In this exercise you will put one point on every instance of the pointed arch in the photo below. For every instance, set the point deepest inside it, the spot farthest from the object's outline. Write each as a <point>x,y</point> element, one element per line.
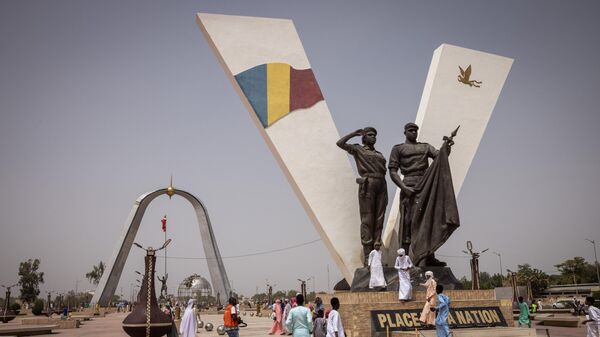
<point>114,268</point>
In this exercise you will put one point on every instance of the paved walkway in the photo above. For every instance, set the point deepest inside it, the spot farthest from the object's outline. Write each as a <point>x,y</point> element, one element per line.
<point>110,326</point>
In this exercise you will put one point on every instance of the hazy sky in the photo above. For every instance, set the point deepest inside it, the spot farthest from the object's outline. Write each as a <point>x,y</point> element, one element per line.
<point>100,101</point>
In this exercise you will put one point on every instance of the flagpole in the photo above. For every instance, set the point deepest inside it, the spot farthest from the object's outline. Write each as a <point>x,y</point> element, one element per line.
<point>165,249</point>
<point>164,228</point>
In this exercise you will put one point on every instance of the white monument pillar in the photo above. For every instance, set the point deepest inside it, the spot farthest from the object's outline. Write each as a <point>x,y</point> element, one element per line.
<point>448,102</point>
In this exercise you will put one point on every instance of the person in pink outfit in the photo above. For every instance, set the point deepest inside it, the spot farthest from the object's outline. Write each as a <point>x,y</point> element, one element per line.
<point>428,316</point>
<point>277,328</point>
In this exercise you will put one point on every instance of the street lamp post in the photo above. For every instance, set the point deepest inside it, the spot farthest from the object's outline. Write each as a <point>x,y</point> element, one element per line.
<point>270,292</point>
<point>303,287</point>
<point>593,242</point>
<point>500,258</point>
<point>513,280</point>
<point>49,300</point>
<point>314,289</point>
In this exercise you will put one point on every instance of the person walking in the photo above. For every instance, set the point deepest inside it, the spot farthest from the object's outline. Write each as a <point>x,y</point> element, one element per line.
<point>299,320</point>
<point>592,319</point>
<point>442,329</point>
<point>276,328</point>
<point>189,322</point>
<point>286,312</point>
<point>523,313</point>
<point>428,316</point>
<point>231,318</point>
<point>169,311</point>
<point>335,328</point>
<point>404,265</point>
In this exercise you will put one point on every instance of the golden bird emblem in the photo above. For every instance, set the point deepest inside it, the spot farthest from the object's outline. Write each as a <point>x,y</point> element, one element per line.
<point>465,77</point>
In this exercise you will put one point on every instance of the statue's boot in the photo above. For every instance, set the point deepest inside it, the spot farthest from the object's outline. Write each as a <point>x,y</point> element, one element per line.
<point>431,261</point>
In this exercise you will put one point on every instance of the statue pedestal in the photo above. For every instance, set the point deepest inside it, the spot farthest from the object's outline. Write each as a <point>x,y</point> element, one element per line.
<point>373,313</point>
<point>363,275</point>
<point>443,276</point>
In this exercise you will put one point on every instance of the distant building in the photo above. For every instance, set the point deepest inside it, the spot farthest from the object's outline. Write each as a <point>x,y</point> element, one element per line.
<point>571,290</point>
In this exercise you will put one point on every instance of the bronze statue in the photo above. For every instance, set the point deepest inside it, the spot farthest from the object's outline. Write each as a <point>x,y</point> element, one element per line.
<point>163,285</point>
<point>372,192</point>
<point>427,203</point>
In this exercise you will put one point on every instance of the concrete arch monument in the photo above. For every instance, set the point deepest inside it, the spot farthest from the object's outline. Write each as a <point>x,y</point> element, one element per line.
<point>112,274</point>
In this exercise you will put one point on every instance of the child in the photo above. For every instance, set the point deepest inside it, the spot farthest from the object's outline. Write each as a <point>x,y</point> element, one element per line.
<point>320,325</point>
<point>442,329</point>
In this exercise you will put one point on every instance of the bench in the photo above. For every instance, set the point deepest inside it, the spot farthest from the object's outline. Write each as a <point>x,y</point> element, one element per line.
<point>81,317</point>
<point>572,322</point>
<point>26,330</point>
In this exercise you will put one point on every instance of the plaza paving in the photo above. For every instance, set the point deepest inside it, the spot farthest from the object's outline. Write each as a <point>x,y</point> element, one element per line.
<point>257,326</point>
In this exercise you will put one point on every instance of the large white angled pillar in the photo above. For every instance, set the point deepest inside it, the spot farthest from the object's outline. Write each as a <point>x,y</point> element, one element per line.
<point>462,88</point>
<point>268,67</point>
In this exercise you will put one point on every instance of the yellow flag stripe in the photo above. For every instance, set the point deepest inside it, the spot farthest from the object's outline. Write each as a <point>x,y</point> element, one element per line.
<point>278,91</point>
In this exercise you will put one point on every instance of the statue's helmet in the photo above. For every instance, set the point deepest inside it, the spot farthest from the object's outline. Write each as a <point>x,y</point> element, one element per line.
<point>411,126</point>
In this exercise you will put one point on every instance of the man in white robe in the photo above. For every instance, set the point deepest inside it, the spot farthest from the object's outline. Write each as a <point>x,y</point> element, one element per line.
<point>377,279</point>
<point>189,323</point>
<point>403,265</point>
<point>592,318</point>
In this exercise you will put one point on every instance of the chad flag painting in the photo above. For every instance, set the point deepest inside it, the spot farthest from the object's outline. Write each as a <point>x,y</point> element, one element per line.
<point>276,89</point>
<point>268,67</point>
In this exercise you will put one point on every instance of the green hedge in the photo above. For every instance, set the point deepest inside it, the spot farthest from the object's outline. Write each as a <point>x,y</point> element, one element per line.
<point>38,306</point>
<point>15,306</point>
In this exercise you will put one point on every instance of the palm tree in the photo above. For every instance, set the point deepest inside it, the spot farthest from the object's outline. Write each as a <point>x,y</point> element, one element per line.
<point>96,273</point>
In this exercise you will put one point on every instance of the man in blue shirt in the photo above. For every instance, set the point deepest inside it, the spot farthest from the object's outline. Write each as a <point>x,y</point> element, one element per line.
<point>442,328</point>
<point>299,320</point>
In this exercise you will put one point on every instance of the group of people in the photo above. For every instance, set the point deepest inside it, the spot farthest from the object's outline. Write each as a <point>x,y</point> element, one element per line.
<point>292,317</point>
<point>592,314</point>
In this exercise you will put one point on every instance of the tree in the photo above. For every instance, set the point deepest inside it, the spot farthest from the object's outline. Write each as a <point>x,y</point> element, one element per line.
<point>96,274</point>
<point>539,280</point>
<point>487,281</point>
<point>466,283</point>
<point>278,294</point>
<point>259,298</point>
<point>577,270</point>
<point>30,280</point>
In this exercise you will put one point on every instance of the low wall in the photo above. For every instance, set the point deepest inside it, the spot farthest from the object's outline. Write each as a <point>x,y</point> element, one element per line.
<point>61,323</point>
<point>359,309</point>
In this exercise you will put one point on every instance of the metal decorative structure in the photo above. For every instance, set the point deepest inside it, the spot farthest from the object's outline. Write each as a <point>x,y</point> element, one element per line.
<point>6,314</point>
<point>474,264</point>
<point>146,319</point>
<point>110,279</point>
